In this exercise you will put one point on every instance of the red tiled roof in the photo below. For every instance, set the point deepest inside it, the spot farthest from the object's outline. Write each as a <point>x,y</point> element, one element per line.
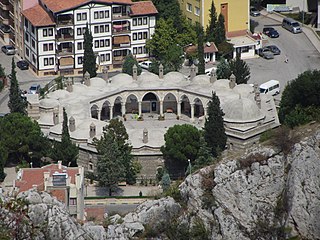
<point>143,8</point>
<point>38,16</point>
<point>60,194</point>
<point>210,49</point>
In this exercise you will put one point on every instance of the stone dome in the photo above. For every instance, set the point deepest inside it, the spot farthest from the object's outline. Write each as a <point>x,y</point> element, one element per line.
<point>201,79</point>
<point>121,79</point>
<point>97,82</point>
<point>242,110</point>
<point>245,90</point>
<point>221,83</point>
<point>174,77</point>
<point>149,80</point>
<point>49,103</point>
<point>59,94</point>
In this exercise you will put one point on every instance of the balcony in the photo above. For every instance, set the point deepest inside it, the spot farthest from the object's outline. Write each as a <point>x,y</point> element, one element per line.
<point>4,5</point>
<point>65,51</point>
<point>65,20</point>
<point>11,15</point>
<point>121,28</point>
<point>121,42</point>
<point>66,63</point>
<point>120,12</point>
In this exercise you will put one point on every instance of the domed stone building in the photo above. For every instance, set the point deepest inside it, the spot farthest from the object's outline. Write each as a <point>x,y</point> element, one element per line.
<point>149,104</point>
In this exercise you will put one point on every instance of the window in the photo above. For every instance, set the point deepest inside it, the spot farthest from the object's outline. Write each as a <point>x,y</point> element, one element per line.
<point>80,45</point>
<point>139,21</point>
<point>84,16</point>
<point>45,32</point>
<point>106,14</point>
<point>140,35</point>
<point>73,201</point>
<point>106,28</point>
<point>50,32</point>
<point>145,21</point>
<point>78,16</point>
<point>26,36</point>
<point>102,29</point>
<point>50,46</point>
<point>134,50</point>
<point>101,14</point>
<point>34,58</point>
<point>96,43</point>
<point>80,31</point>
<point>104,57</point>
<point>33,43</point>
<point>139,50</point>
<point>32,29</point>
<point>189,7</point>
<point>45,47</point>
<point>135,36</point>
<point>96,29</point>
<point>96,15</point>
<point>26,23</point>
<point>48,61</point>
<point>135,22</point>
<point>145,35</point>
<point>101,43</point>
<point>197,11</point>
<point>80,60</point>
<point>27,52</point>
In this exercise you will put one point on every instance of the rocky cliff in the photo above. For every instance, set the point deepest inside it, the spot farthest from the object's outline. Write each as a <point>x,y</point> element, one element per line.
<point>264,194</point>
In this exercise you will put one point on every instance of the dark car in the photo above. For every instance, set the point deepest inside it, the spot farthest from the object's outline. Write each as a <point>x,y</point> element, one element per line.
<point>270,32</point>
<point>5,28</point>
<point>266,53</point>
<point>274,49</point>
<point>23,65</point>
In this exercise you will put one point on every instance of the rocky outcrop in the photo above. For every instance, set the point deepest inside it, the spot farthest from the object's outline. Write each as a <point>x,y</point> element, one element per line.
<point>260,194</point>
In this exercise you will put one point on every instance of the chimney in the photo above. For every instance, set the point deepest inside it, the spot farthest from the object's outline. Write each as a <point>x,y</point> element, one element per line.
<point>145,136</point>
<point>69,85</point>
<point>213,76</point>
<point>192,71</point>
<point>55,116</point>
<point>135,72</point>
<point>105,73</point>
<point>258,100</point>
<point>86,79</point>
<point>59,164</point>
<point>92,132</point>
<point>161,71</point>
<point>256,91</point>
<point>72,124</point>
<point>232,82</point>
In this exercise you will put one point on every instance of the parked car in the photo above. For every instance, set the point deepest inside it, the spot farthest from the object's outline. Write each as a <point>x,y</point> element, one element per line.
<point>34,89</point>
<point>274,49</point>
<point>254,12</point>
<point>270,32</point>
<point>266,53</point>
<point>5,28</point>
<point>145,64</point>
<point>8,50</point>
<point>23,65</point>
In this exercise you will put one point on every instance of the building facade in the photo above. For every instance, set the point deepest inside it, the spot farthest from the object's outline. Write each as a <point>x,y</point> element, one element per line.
<point>54,33</point>
<point>64,183</point>
<point>235,12</point>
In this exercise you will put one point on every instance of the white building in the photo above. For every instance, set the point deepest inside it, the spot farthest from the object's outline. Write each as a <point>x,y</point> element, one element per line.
<point>54,33</point>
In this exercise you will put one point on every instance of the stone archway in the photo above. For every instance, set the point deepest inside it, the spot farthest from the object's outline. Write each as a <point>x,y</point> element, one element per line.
<point>150,103</point>
<point>198,108</point>
<point>185,106</point>
<point>94,111</point>
<point>132,105</point>
<point>105,111</point>
<point>170,103</point>
<point>117,110</point>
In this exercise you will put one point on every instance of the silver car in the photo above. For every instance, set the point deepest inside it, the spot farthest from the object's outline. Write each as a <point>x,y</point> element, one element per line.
<point>266,53</point>
<point>8,50</point>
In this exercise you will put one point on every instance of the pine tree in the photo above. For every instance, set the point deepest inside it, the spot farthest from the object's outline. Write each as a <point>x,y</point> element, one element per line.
<point>240,69</point>
<point>89,59</point>
<point>223,69</point>
<point>214,132</point>
<point>128,64</point>
<point>16,102</point>
<point>211,28</point>
<point>200,33</point>
<point>220,31</point>
<point>65,150</point>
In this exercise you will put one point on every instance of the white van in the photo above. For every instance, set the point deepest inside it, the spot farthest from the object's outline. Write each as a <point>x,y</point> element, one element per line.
<point>208,71</point>
<point>271,87</point>
<point>291,25</point>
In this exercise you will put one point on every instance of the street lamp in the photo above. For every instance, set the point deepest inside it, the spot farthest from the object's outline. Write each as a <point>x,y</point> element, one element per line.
<point>189,166</point>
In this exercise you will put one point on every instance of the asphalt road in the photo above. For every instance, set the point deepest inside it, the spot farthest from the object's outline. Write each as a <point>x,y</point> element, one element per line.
<point>301,53</point>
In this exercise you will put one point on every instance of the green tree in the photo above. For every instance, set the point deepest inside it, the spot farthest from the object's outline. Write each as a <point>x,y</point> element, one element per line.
<point>128,64</point>
<point>119,133</point>
<point>165,181</point>
<point>89,59</point>
<point>223,69</point>
<point>220,33</point>
<point>240,69</point>
<point>16,102</point>
<point>22,139</point>
<point>304,91</point>
<point>65,151</point>
<point>3,160</point>
<point>182,142</point>
<point>225,50</point>
<point>204,157</point>
<point>201,65</point>
<point>214,132</point>
<point>211,28</point>
<point>173,58</point>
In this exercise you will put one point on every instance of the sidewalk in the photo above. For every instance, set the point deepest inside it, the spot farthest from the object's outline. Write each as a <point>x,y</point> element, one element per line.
<point>308,31</point>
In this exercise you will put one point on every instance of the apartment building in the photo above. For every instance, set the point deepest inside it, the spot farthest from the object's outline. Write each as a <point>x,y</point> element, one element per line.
<point>235,12</point>
<point>7,20</point>
<point>53,33</point>
<point>64,183</point>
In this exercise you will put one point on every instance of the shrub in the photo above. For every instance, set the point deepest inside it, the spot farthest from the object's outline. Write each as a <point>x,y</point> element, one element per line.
<point>284,139</point>
<point>267,135</point>
<point>199,231</point>
<point>252,158</point>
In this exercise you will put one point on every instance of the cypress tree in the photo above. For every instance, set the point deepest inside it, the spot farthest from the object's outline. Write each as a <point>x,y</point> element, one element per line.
<point>220,31</point>
<point>16,102</point>
<point>214,132</point>
<point>211,28</point>
<point>200,33</point>
<point>89,59</point>
<point>240,69</point>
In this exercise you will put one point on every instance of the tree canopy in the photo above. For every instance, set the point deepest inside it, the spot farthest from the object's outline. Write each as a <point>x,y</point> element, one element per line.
<point>89,59</point>
<point>223,69</point>
<point>220,33</point>
<point>300,101</point>
<point>211,28</point>
<point>240,69</point>
<point>214,132</point>
<point>128,64</point>
<point>200,33</point>
<point>17,103</point>
<point>182,142</point>
<point>65,151</point>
